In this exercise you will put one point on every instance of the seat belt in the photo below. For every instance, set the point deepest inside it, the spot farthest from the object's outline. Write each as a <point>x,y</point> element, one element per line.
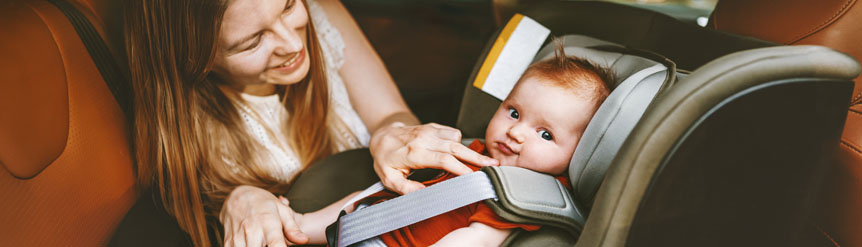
<point>519,195</point>
<point>405,210</point>
<point>109,69</point>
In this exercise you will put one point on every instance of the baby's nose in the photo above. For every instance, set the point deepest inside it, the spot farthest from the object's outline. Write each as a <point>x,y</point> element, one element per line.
<point>517,133</point>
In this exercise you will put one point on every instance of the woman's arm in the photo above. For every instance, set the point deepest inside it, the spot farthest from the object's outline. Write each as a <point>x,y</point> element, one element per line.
<point>398,142</point>
<point>476,234</point>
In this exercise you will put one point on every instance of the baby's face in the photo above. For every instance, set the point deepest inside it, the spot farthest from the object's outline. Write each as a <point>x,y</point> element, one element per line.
<point>538,127</point>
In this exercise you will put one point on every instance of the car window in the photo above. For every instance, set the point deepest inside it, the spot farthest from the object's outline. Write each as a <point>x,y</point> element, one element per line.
<point>693,11</point>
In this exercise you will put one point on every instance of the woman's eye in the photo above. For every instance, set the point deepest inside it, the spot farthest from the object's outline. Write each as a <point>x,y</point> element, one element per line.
<point>546,135</point>
<point>514,113</point>
<point>289,5</point>
<point>253,45</point>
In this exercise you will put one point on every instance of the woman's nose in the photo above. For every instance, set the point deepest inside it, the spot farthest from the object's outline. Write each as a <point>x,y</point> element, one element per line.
<point>517,133</point>
<point>287,40</point>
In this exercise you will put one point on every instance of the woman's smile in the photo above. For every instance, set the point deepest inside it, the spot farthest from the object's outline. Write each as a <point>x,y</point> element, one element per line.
<point>292,63</point>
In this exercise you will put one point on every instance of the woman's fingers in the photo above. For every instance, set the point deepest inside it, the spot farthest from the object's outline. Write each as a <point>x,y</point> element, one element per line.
<point>253,234</point>
<point>274,236</point>
<point>447,155</point>
<point>446,132</point>
<point>451,164</point>
<point>468,155</point>
<point>238,236</point>
<point>396,180</point>
<point>228,233</point>
<point>398,149</point>
<point>289,225</point>
<point>254,217</point>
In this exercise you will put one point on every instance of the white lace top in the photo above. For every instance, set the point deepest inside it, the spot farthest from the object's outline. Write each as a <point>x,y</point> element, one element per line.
<point>282,159</point>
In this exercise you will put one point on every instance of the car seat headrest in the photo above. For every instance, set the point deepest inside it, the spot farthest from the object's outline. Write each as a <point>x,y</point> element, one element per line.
<point>638,81</point>
<point>589,48</point>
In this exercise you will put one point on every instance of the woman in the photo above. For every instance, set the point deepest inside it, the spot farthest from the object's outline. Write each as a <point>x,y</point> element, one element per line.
<point>234,97</point>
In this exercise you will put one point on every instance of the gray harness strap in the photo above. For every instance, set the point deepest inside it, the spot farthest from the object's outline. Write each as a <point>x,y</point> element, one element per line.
<point>405,210</point>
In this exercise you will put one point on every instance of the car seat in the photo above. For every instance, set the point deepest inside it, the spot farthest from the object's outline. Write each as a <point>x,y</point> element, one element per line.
<point>67,176</point>
<point>834,24</point>
<point>639,78</point>
<point>732,154</point>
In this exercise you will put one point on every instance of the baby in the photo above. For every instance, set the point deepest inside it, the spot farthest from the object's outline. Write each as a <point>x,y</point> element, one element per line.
<point>537,127</point>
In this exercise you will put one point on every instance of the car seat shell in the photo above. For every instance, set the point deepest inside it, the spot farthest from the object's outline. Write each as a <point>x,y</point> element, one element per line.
<point>639,161</point>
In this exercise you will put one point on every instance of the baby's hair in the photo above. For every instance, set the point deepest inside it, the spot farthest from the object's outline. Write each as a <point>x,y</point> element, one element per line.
<point>579,76</point>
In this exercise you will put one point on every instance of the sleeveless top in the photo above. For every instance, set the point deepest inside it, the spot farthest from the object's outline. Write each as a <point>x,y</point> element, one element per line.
<point>265,114</point>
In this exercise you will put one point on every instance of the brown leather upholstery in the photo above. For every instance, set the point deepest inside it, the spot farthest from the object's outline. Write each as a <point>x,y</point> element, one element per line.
<point>66,177</point>
<point>25,104</point>
<point>832,23</point>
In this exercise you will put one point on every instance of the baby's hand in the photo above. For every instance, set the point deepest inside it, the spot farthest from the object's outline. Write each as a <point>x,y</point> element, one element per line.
<point>284,201</point>
<point>313,224</point>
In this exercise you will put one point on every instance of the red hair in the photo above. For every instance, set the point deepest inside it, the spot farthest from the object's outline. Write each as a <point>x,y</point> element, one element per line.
<point>577,75</point>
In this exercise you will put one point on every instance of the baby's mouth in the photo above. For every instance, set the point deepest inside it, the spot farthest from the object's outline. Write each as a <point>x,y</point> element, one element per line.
<point>503,147</point>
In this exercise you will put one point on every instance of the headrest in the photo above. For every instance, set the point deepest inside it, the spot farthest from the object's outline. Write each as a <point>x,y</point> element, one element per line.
<point>638,82</point>
<point>34,101</point>
<point>591,49</point>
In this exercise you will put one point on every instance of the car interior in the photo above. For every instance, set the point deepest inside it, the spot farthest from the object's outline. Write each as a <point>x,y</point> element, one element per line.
<point>743,131</point>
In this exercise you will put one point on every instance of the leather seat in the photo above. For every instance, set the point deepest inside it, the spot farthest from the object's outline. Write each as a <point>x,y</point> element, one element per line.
<point>831,23</point>
<point>67,171</point>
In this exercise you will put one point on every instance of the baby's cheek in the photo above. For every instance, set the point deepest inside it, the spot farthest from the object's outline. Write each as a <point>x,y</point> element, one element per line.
<point>509,161</point>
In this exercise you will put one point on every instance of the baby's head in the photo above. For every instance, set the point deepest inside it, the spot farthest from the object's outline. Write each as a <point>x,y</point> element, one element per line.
<point>540,123</point>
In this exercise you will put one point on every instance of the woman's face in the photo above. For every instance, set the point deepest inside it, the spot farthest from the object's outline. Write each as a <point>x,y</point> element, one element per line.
<point>262,44</point>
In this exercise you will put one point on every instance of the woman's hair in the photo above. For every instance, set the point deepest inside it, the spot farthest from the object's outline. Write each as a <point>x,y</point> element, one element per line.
<point>189,137</point>
<point>577,75</point>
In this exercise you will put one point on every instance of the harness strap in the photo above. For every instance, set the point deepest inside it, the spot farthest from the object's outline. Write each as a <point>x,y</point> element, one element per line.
<point>405,210</point>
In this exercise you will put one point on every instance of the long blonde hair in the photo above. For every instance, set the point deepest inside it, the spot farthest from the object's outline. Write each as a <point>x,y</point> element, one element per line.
<point>189,137</point>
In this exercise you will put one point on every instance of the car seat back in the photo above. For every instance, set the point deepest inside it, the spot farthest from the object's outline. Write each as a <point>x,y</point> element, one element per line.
<point>731,155</point>
<point>834,24</point>
<point>67,175</point>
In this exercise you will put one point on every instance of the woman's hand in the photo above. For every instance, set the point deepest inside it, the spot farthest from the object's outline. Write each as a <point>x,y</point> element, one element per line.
<point>255,217</point>
<point>398,148</point>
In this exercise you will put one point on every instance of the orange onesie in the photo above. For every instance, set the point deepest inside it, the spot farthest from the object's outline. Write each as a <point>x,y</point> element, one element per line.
<point>429,231</point>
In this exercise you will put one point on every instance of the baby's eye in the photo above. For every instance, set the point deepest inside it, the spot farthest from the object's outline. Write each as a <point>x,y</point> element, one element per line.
<point>514,113</point>
<point>546,135</point>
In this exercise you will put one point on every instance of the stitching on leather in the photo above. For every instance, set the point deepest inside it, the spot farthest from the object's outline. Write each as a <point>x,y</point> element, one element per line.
<point>827,236</point>
<point>825,23</point>
<point>845,143</point>
<point>854,111</point>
